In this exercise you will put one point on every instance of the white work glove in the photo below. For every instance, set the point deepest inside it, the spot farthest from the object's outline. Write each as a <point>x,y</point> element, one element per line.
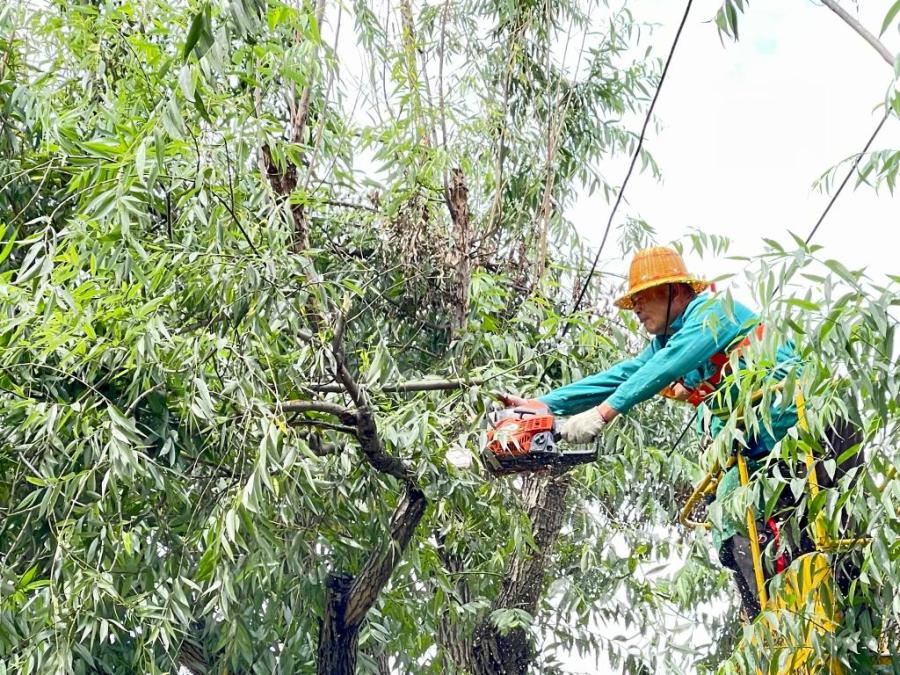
<point>583,427</point>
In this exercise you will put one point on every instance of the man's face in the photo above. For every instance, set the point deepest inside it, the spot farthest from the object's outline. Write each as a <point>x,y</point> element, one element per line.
<point>651,307</point>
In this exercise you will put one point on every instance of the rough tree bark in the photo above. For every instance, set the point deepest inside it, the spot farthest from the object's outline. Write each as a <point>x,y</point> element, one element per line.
<point>486,651</point>
<point>284,181</point>
<point>458,204</point>
<point>348,599</point>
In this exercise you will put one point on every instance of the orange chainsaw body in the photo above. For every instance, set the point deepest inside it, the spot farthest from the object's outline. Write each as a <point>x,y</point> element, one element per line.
<point>524,439</point>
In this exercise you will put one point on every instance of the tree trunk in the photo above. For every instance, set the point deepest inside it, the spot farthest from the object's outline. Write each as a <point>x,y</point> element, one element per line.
<point>348,599</point>
<point>337,641</point>
<point>486,651</point>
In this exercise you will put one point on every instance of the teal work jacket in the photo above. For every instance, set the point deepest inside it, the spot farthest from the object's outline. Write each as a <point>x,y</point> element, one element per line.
<point>701,330</point>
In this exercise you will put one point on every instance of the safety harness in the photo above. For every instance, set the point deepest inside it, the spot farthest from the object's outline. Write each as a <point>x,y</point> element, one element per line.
<point>719,360</point>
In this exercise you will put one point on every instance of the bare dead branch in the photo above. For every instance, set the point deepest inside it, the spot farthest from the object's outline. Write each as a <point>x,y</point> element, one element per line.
<point>859,28</point>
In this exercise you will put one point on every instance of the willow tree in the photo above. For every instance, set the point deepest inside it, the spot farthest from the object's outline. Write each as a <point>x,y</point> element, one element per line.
<point>241,243</point>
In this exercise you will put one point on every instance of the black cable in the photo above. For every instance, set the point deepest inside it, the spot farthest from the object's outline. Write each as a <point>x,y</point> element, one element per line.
<point>634,157</point>
<point>849,173</point>
<point>665,335</point>
<point>681,435</point>
<point>637,152</point>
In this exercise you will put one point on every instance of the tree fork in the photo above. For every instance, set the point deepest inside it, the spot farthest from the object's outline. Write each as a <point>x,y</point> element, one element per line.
<point>349,599</point>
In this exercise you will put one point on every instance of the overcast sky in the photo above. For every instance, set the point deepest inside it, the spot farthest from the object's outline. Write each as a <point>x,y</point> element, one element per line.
<point>746,128</point>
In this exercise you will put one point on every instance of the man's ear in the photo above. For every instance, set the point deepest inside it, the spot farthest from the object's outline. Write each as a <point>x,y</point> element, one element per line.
<point>684,291</point>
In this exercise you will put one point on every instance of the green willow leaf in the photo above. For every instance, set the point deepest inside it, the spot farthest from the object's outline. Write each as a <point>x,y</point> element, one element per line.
<point>889,17</point>
<point>199,36</point>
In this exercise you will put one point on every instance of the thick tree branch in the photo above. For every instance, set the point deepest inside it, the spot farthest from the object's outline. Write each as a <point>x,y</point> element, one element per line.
<point>488,652</point>
<point>367,429</point>
<point>859,28</point>
<point>349,599</point>
<point>407,386</point>
<point>344,414</point>
<point>380,565</point>
<point>458,204</point>
<point>524,578</point>
<point>284,182</point>
<point>302,112</point>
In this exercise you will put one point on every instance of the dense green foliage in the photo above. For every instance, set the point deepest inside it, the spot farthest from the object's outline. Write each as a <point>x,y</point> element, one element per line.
<point>220,221</point>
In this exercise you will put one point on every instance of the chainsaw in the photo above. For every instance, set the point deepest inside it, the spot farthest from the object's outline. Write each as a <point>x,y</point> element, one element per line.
<point>525,440</point>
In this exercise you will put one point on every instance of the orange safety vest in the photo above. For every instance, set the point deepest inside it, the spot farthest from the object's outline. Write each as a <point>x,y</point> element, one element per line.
<point>708,386</point>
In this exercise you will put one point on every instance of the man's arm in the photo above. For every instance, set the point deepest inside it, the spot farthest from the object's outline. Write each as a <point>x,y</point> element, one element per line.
<point>688,349</point>
<point>594,389</point>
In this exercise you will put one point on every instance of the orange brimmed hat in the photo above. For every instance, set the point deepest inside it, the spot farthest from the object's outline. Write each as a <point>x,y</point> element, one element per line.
<point>657,266</point>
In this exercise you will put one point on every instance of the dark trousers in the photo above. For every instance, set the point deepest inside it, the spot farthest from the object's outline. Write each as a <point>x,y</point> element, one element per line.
<point>735,553</point>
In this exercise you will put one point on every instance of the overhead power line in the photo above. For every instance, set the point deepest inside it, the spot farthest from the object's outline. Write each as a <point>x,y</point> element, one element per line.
<point>849,173</point>
<point>634,158</point>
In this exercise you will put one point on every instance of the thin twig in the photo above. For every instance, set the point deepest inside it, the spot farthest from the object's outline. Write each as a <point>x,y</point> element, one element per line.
<point>237,222</point>
<point>347,205</point>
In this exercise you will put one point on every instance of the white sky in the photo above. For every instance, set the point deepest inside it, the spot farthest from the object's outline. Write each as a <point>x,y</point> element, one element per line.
<point>746,128</point>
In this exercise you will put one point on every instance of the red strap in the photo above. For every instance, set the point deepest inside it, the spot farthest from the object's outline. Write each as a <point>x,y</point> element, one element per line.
<point>780,561</point>
<point>719,361</point>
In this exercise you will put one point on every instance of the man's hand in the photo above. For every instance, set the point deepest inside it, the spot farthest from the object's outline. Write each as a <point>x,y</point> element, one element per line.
<point>583,427</point>
<point>511,401</point>
<point>680,392</point>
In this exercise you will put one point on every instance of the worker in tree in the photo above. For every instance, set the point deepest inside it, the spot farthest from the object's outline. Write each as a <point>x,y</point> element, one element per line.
<point>693,335</point>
